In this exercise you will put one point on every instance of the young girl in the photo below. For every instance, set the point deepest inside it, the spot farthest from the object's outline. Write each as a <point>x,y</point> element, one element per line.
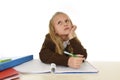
<point>62,37</point>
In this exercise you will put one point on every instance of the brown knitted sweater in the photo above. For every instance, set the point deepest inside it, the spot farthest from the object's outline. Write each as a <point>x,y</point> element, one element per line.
<point>47,53</point>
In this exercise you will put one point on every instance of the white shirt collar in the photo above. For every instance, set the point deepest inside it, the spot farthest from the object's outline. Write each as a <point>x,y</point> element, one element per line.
<point>65,43</point>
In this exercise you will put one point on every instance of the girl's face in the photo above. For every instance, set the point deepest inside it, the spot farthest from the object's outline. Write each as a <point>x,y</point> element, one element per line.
<point>62,24</point>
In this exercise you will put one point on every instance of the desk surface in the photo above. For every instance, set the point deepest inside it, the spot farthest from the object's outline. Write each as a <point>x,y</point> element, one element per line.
<point>107,71</point>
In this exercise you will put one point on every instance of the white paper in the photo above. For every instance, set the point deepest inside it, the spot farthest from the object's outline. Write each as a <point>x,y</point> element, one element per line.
<point>36,66</point>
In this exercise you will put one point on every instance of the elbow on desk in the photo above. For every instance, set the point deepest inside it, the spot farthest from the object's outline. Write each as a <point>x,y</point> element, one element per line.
<point>43,58</point>
<point>85,53</point>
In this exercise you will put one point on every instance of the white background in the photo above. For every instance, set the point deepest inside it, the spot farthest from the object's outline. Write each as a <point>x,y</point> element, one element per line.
<point>24,24</point>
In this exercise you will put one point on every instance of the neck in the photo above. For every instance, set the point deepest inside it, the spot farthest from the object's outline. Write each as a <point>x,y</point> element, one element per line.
<point>65,37</point>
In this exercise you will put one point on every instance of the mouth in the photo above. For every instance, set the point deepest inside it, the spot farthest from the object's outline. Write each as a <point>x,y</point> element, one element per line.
<point>66,28</point>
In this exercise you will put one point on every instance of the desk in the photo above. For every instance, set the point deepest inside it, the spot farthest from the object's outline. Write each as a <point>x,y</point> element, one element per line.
<point>107,71</point>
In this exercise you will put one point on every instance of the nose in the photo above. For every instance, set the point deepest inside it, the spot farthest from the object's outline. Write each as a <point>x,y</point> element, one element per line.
<point>65,24</point>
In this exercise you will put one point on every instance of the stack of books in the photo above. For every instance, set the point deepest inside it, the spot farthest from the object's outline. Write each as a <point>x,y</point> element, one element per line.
<point>7,72</point>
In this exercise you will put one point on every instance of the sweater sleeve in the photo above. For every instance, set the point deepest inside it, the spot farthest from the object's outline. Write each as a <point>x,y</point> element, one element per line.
<point>48,55</point>
<point>77,47</point>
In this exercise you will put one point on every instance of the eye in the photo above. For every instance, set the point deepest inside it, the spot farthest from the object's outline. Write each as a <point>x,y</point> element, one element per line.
<point>59,22</point>
<point>66,21</point>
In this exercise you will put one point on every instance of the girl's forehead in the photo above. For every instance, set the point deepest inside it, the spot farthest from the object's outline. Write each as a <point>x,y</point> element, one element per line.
<point>60,16</point>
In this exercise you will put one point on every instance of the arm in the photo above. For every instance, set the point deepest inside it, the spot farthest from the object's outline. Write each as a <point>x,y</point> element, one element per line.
<point>75,62</point>
<point>48,55</point>
<point>77,47</point>
<point>75,43</point>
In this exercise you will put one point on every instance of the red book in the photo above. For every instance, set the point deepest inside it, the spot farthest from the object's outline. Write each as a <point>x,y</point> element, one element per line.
<point>10,72</point>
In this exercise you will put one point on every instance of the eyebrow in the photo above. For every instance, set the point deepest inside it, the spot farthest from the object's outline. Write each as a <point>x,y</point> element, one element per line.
<point>67,19</point>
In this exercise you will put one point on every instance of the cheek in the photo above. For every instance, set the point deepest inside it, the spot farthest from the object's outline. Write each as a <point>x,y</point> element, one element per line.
<point>71,26</point>
<point>57,30</point>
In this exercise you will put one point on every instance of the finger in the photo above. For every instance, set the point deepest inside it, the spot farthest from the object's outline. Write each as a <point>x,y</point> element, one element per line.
<point>81,56</point>
<point>80,60</point>
<point>74,27</point>
<point>77,66</point>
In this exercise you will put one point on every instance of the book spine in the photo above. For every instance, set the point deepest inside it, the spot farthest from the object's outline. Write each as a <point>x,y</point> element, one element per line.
<point>15,62</point>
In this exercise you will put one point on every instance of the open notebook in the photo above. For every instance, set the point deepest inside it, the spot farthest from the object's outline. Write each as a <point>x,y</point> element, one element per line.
<point>36,66</point>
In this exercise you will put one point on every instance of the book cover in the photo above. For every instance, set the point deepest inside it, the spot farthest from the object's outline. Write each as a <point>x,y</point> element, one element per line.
<point>15,62</point>
<point>8,73</point>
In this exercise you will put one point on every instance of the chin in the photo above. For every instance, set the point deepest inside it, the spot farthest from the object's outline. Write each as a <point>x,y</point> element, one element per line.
<point>65,34</point>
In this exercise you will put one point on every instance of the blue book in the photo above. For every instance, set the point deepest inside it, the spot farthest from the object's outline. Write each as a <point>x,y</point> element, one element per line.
<point>15,62</point>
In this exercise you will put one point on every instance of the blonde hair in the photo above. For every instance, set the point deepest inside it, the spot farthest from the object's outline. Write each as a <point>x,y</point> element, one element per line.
<point>55,38</point>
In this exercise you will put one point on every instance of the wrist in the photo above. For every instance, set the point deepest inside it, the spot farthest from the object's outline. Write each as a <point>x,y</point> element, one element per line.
<point>71,36</point>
